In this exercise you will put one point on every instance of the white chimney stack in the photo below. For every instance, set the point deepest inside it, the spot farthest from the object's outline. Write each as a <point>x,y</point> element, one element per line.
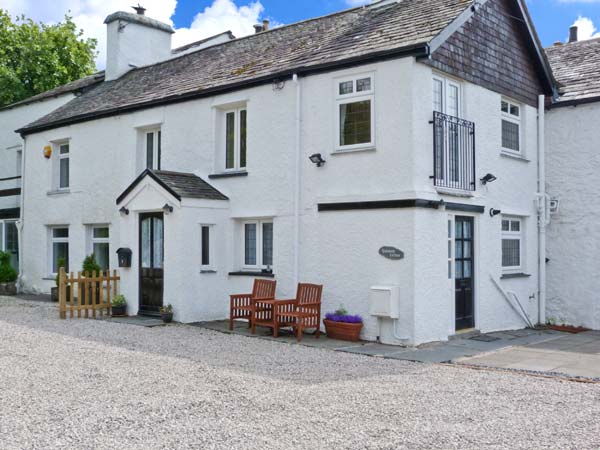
<point>134,40</point>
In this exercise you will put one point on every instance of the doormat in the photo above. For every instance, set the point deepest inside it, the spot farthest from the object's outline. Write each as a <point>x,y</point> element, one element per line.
<point>484,338</point>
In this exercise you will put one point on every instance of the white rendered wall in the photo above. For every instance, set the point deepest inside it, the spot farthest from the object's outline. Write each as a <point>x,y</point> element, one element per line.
<point>338,249</point>
<point>573,236</point>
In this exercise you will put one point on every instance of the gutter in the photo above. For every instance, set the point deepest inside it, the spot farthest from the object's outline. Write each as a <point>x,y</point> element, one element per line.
<point>565,103</point>
<point>417,50</point>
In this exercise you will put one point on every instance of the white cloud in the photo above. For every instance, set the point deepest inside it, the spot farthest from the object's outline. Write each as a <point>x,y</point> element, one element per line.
<point>586,28</point>
<point>89,15</point>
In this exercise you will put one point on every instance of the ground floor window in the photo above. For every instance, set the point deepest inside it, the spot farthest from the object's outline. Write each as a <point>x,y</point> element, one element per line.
<point>9,241</point>
<point>512,243</point>
<point>258,244</point>
<point>100,245</point>
<point>207,257</point>
<point>59,237</point>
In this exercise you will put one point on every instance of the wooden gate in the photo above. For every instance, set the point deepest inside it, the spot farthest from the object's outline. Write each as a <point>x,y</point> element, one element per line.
<point>85,294</point>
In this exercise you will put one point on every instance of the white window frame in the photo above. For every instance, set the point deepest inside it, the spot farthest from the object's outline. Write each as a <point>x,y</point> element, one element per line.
<point>354,97</point>
<point>446,83</point>
<point>58,158</point>
<point>237,134</point>
<point>94,240</point>
<point>507,116</point>
<point>512,235</point>
<point>156,147</point>
<point>259,244</point>
<point>210,267</point>
<point>57,240</point>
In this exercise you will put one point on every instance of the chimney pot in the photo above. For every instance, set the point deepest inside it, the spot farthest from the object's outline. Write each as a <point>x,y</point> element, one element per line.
<point>573,34</point>
<point>258,28</point>
<point>265,25</point>
<point>558,44</point>
<point>139,9</point>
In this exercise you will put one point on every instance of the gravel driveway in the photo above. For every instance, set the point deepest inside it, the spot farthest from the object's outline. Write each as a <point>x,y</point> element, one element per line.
<point>86,384</point>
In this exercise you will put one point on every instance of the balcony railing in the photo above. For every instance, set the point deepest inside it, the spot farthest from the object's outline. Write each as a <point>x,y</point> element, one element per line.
<point>453,152</point>
<point>10,186</point>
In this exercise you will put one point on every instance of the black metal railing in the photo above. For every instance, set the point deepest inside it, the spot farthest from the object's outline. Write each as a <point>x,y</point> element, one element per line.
<point>8,189</point>
<point>453,152</point>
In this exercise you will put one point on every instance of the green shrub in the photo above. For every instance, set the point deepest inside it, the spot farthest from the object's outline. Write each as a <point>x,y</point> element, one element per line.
<point>166,309</point>
<point>119,300</point>
<point>7,273</point>
<point>90,265</point>
<point>62,263</point>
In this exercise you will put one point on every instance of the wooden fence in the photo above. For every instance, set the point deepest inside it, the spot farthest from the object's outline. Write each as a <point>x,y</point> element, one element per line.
<point>86,295</point>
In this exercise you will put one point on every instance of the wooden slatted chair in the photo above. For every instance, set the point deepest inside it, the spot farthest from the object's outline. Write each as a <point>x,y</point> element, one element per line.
<point>302,312</point>
<point>243,306</point>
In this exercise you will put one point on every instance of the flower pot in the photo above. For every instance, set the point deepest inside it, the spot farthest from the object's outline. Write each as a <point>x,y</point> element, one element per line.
<point>118,311</point>
<point>343,331</point>
<point>54,293</point>
<point>167,317</point>
<point>8,288</point>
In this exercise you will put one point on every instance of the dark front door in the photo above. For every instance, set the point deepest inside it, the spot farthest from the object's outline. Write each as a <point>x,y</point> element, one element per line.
<point>151,263</point>
<point>464,261</point>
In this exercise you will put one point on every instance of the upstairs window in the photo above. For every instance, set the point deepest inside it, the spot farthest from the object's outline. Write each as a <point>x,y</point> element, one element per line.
<point>234,140</point>
<point>153,148</point>
<point>511,126</point>
<point>512,237</point>
<point>62,175</point>
<point>355,106</point>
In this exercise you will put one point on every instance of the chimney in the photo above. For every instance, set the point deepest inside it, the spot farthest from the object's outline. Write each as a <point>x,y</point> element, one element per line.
<point>134,40</point>
<point>258,28</point>
<point>265,26</point>
<point>573,34</point>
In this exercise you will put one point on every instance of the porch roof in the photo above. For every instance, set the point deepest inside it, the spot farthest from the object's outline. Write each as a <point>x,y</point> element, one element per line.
<point>178,184</point>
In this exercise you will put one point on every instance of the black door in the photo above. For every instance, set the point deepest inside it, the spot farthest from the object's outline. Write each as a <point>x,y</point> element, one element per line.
<point>464,264</point>
<point>151,263</point>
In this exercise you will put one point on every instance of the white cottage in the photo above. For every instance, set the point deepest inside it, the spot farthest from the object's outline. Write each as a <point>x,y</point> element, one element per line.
<point>572,137</point>
<point>310,152</point>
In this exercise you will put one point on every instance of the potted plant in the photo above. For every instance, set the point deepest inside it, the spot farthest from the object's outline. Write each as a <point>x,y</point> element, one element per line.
<point>166,313</point>
<point>8,276</point>
<point>88,267</point>
<point>119,306</point>
<point>54,291</point>
<point>343,326</point>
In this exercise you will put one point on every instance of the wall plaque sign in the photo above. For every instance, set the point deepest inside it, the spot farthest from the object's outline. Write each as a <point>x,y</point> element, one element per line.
<point>392,253</point>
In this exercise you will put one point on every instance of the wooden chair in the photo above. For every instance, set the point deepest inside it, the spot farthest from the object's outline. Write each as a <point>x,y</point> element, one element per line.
<point>243,306</point>
<point>302,312</point>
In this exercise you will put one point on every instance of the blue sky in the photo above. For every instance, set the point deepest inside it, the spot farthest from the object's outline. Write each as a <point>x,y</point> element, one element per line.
<point>552,17</point>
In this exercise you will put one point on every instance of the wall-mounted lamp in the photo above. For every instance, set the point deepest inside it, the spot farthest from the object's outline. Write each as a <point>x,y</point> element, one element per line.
<point>489,178</point>
<point>317,159</point>
<point>124,211</point>
<point>494,212</point>
<point>47,151</point>
<point>168,209</point>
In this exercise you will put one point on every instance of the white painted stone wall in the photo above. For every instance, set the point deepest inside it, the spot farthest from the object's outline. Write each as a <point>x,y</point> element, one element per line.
<point>573,236</point>
<point>338,249</point>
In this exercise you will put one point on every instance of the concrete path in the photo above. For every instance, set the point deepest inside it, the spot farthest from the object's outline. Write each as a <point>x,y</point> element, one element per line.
<point>575,355</point>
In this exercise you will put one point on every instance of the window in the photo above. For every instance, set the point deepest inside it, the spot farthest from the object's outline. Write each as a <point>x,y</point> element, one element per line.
<point>153,149</point>
<point>512,237</point>
<point>100,246</point>
<point>235,143</point>
<point>207,247</point>
<point>450,245</point>
<point>258,244</point>
<point>60,247</point>
<point>446,96</point>
<point>511,126</point>
<point>355,113</point>
<point>9,241</point>
<point>63,166</point>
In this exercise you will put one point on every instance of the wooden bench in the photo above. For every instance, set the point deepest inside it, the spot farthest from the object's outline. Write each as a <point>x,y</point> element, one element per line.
<point>243,306</point>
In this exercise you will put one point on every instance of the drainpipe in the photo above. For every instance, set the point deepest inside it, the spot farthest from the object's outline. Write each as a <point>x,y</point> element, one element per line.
<point>542,219</point>
<point>297,179</point>
<point>20,223</point>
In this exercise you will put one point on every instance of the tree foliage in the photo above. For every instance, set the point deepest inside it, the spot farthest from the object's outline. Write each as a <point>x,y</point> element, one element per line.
<point>36,57</point>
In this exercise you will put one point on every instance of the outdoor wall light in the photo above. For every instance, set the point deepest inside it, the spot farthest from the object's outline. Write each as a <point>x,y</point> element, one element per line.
<point>494,212</point>
<point>489,178</point>
<point>168,209</point>
<point>317,159</point>
<point>124,211</point>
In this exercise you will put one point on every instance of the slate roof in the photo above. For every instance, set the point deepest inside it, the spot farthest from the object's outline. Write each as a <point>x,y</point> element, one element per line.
<point>179,184</point>
<point>74,86</point>
<point>329,41</point>
<point>576,67</point>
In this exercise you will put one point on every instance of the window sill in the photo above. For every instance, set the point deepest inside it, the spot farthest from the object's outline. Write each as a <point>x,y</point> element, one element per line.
<point>244,273</point>
<point>342,151</point>
<point>59,192</point>
<point>49,278</point>
<point>454,192</point>
<point>507,276</point>
<point>510,155</point>
<point>240,173</point>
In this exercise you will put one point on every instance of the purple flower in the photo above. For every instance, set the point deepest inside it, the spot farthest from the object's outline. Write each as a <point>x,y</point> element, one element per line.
<point>334,317</point>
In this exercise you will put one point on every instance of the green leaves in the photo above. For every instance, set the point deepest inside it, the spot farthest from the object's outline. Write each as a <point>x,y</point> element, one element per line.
<point>36,57</point>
